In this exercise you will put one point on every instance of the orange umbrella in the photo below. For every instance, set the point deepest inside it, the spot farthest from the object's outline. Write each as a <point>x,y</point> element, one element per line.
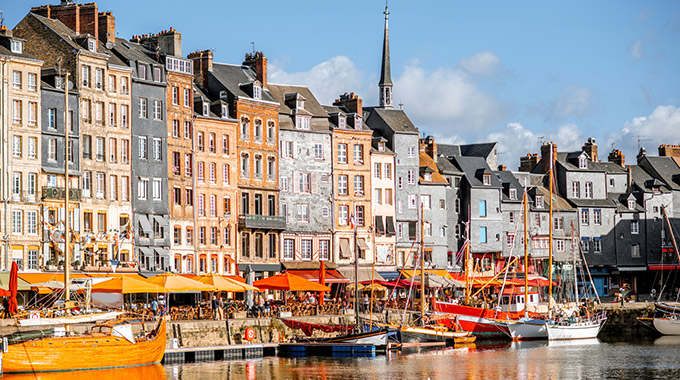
<point>291,282</point>
<point>322,279</point>
<point>176,283</point>
<point>127,285</point>
<point>224,284</point>
<point>13,287</point>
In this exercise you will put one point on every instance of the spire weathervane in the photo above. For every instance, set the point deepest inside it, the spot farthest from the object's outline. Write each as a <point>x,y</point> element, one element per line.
<point>385,84</point>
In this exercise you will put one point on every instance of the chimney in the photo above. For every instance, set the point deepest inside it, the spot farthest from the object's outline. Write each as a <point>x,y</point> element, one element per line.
<point>629,178</point>
<point>528,163</point>
<point>107,27</point>
<point>258,62</point>
<point>545,156</point>
<point>641,154</point>
<point>669,150</point>
<point>170,42</point>
<point>203,62</point>
<point>82,18</point>
<point>351,102</point>
<point>502,168</point>
<point>428,146</point>
<point>617,157</point>
<point>590,147</point>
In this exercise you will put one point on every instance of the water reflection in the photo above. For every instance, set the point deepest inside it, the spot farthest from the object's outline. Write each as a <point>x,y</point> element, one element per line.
<point>147,372</point>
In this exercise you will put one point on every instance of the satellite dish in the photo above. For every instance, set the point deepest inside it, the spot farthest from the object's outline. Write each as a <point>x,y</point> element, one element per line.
<point>109,45</point>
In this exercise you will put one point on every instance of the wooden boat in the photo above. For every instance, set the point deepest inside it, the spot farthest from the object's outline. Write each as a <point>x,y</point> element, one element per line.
<point>434,334</point>
<point>152,371</point>
<point>568,330</point>
<point>114,344</point>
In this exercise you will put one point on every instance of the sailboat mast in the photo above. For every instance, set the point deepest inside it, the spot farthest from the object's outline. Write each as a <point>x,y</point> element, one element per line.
<point>670,231</point>
<point>468,261</point>
<point>573,251</point>
<point>526,252</point>
<point>550,230</point>
<point>356,268</point>
<point>67,224</point>
<point>422,263</point>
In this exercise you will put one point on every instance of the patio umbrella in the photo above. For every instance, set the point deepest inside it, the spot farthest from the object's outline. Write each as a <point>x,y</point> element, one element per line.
<point>13,286</point>
<point>176,283</point>
<point>248,275</point>
<point>224,284</point>
<point>322,280</point>
<point>290,282</point>
<point>127,285</point>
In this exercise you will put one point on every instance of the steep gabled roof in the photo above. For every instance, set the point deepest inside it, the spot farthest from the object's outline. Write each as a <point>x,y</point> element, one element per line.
<point>396,120</point>
<point>663,168</point>
<point>233,77</point>
<point>319,120</point>
<point>471,166</point>
<point>427,165</point>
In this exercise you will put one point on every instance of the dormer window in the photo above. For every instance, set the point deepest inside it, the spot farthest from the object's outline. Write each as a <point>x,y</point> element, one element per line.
<point>381,146</point>
<point>142,71</point>
<point>91,45</point>
<point>17,47</point>
<point>342,121</point>
<point>631,204</point>
<point>257,92</point>
<point>539,201</point>
<point>486,179</point>
<point>206,109</point>
<point>300,104</point>
<point>225,111</point>
<point>582,162</point>
<point>513,193</point>
<point>428,177</point>
<point>357,121</point>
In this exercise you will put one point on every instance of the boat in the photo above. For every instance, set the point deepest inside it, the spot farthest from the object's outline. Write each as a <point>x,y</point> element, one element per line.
<point>667,316</point>
<point>434,334</point>
<point>568,330</point>
<point>527,329</point>
<point>72,319</point>
<point>153,371</point>
<point>113,344</point>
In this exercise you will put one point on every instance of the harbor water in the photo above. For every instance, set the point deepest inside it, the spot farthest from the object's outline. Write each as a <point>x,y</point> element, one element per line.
<point>591,359</point>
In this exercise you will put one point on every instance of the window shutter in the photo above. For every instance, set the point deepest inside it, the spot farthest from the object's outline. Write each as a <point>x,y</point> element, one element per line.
<point>281,151</point>
<point>294,152</point>
<point>313,183</point>
<point>296,178</point>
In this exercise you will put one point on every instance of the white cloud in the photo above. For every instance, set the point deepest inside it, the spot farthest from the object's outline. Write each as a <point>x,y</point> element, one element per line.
<point>484,63</point>
<point>637,49</point>
<point>326,80</point>
<point>446,100</point>
<point>574,101</point>
<point>662,126</point>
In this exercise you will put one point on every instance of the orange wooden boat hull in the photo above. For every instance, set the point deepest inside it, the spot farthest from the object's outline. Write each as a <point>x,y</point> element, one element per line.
<point>146,372</point>
<point>85,352</point>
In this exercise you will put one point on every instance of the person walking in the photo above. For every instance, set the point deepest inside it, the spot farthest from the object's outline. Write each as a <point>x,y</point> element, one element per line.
<point>214,306</point>
<point>220,308</point>
<point>154,307</point>
<point>5,305</point>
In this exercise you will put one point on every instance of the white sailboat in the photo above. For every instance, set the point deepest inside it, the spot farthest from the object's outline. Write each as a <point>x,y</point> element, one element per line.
<point>667,316</point>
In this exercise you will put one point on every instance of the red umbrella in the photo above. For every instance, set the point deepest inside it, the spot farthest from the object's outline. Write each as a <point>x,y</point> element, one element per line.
<point>322,279</point>
<point>13,286</point>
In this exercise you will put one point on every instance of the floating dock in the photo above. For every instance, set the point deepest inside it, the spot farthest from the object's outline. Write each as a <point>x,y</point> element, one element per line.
<point>351,350</point>
<point>213,353</point>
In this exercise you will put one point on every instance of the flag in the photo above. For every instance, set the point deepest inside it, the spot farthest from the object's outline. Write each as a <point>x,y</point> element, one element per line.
<point>351,221</point>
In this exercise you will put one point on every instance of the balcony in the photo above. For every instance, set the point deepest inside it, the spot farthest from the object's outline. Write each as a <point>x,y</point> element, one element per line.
<point>57,193</point>
<point>262,222</point>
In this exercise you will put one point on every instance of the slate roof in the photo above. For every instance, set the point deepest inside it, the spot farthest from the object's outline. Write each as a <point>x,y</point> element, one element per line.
<point>396,120</point>
<point>319,120</point>
<point>645,181</point>
<point>331,109</point>
<point>471,165</point>
<point>446,166</point>
<point>231,77</point>
<point>467,150</point>
<point>509,181</point>
<point>130,51</point>
<point>607,167</point>
<point>665,169</point>
<point>449,150</point>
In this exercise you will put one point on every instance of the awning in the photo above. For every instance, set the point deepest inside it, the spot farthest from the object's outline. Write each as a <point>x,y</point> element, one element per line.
<point>161,251</point>
<point>390,275</point>
<point>307,265</point>
<point>261,267</point>
<point>345,252</point>
<point>364,274</point>
<point>663,267</point>
<point>390,225</point>
<point>161,220</point>
<point>379,228</point>
<point>21,283</point>
<point>147,251</point>
<point>144,222</point>
<point>332,276</point>
<point>362,244</point>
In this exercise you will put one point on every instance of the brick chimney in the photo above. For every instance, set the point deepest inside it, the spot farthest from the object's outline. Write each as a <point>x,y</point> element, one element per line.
<point>107,27</point>
<point>545,156</point>
<point>351,102</point>
<point>528,162</point>
<point>669,150</point>
<point>590,147</point>
<point>617,157</point>
<point>502,168</point>
<point>641,154</point>
<point>203,62</point>
<point>82,18</point>
<point>258,62</point>
<point>429,147</point>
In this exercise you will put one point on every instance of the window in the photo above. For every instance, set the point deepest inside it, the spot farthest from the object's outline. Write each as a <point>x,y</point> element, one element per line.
<point>271,132</point>
<point>539,201</point>
<point>486,179</point>
<point>377,196</point>
<point>16,115</point>
<point>635,250</point>
<point>388,196</point>
<point>32,112</point>
<point>100,184</point>
<point>318,151</point>
<point>377,170</point>
<point>258,166</point>
<point>124,85</point>
<point>426,201</point>
<point>245,128</point>
<point>177,235</point>
<point>585,216</point>
<point>199,141</point>
<point>442,204</point>
<point>187,129</point>
<point>112,114</point>
<point>325,212</point>
<point>17,222</point>
<point>597,216</point>
<point>510,239</point>
<point>212,172</point>
<point>213,205</point>
<point>189,199</point>
<point>634,227</point>
<point>306,249</point>
<point>157,189</point>
<point>87,183</point>
<point>52,118</point>
<point>582,162</point>
<point>226,238</point>
<point>303,213</point>
<point>226,204</point>
<point>387,170</point>
<point>199,171</point>
<point>537,219</point>
<point>190,236</point>
<point>411,177</point>
<point>558,223</point>
<point>113,187</point>
<point>358,154</point>
<point>304,182</point>
<point>257,92</point>
<point>271,168</point>
<point>482,208</point>
<point>142,108</point>
<point>124,151</point>
<point>358,185</point>
<point>283,183</point>
<point>188,164</point>
<point>32,185</point>
<point>511,216</point>
<point>400,183</point>
<point>324,249</point>
<point>201,236</point>
<point>124,186</point>
<point>559,245</point>
<point>142,188</point>
<point>52,149</point>
<point>442,231</point>
<point>85,76</point>
<point>175,95</point>
<point>612,183</point>
<point>411,152</point>
<point>427,229</point>
<point>576,189</point>
<point>99,113</point>
<point>16,79</point>
<point>211,143</point>
<point>187,97</point>
<point>342,185</point>
<point>412,201</point>
<point>113,150</point>
<point>225,144</point>
<point>16,146</point>
<point>258,130</point>
<point>85,109</point>
<point>17,47</point>
<point>342,153</point>
<point>142,147</point>
<point>631,204</point>
<point>482,234</point>
<point>141,70</point>
<point>343,215</point>
<point>157,110</point>
<point>99,79</point>
<point>400,230</point>
<point>288,249</point>
<point>245,170</point>
<point>157,149</point>
<point>597,245</point>
<point>588,193</point>
<point>359,216</point>
<point>201,205</point>
<point>16,184</point>
<point>175,128</point>
<point>99,145</point>
<point>112,83</point>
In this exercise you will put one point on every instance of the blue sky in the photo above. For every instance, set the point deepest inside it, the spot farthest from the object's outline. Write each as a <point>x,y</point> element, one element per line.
<point>466,71</point>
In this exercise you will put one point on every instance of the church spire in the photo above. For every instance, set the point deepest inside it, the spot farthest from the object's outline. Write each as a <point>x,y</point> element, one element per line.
<point>385,84</point>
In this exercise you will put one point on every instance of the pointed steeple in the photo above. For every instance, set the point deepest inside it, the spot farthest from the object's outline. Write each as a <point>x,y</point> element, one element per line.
<point>385,84</point>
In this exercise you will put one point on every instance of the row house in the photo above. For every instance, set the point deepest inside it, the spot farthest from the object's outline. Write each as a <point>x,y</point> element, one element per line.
<point>305,175</point>
<point>384,210</point>
<point>68,36</point>
<point>244,89</point>
<point>216,186</point>
<point>178,110</point>
<point>147,151</point>
<point>353,222</point>
<point>20,123</point>
<point>454,227</point>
